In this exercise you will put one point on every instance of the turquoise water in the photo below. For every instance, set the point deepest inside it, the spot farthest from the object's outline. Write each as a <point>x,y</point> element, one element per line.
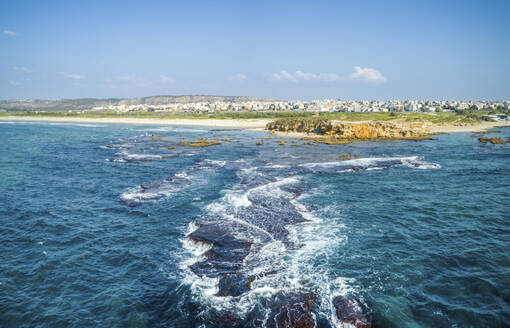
<point>416,232</point>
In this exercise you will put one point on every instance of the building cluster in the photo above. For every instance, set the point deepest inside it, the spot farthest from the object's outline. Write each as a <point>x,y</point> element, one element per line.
<point>328,105</point>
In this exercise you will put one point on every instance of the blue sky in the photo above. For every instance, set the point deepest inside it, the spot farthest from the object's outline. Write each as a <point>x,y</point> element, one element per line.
<point>277,49</point>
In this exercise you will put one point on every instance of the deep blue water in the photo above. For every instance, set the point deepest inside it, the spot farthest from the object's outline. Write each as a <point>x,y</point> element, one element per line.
<point>104,226</point>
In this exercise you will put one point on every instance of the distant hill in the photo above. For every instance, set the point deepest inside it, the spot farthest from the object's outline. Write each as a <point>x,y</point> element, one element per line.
<point>89,103</point>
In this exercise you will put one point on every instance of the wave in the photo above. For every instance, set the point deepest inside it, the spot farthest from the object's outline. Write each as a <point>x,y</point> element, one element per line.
<point>417,162</point>
<point>255,244</point>
<point>177,130</point>
<point>155,191</point>
<point>261,241</point>
<point>88,125</point>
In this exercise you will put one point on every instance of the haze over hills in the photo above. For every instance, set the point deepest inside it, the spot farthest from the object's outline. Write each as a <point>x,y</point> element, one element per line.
<point>89,103</point>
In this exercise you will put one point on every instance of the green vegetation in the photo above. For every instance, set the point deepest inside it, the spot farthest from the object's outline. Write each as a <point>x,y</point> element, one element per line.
<point>449,117</point>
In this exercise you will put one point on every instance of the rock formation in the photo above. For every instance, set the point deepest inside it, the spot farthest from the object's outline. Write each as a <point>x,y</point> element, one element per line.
<point>494,141</point>
<point>350,311</point>
<point>349,131</point>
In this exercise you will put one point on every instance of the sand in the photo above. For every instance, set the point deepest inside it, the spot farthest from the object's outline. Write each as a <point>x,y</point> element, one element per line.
<point>440,128</point>
<point>249,124</point>
<point>227,123</point>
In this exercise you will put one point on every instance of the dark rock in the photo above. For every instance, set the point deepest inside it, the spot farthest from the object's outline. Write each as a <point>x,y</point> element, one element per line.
<point>295,312</point>
<point>224,318</point>
<point>350,311</point>
<point>234,285</point>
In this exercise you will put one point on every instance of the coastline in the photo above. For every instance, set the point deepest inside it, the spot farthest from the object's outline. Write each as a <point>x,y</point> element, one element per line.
<point>252,124</point>
<point>431,129</point>
<point>248,124</point>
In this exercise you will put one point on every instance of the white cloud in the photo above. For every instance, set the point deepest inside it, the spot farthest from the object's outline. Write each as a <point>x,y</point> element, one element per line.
<point>15,83</point>
<point>10,33</point>
<point>239,77</point>
<point>21,69</point>
<point>303,76</point>
<point>368,75</point>
<point>73,76</point>
<point>166,79</point>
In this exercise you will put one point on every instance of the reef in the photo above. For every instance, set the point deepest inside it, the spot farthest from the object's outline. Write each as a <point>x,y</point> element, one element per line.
<point>201,143</point>
<point>486,131</point>
<point>494,141</point>
<point>296,312</point>
<point>336,132</point>
<point>350,311</point>
<point>345,157</point>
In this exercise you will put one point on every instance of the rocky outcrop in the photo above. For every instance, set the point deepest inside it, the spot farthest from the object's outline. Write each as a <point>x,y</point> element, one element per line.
<point>346,157</point>
<point>494,141</point>
<point>349,131</point>
<point>295,313</point>
<point>351,312</point>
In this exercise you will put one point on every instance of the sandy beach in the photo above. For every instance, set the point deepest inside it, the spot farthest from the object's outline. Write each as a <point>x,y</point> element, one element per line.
<point>257,124</point>
<point>440,128</point>
<point>248,124</point>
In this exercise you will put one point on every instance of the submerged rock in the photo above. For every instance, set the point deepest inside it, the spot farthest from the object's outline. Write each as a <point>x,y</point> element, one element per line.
<point>494,141</point>
<point>350,311</point>
<point>200,143</point>
<point>486,131</point>
<point>294,312</point>
<point>345,157</point>
<point>223,318</point>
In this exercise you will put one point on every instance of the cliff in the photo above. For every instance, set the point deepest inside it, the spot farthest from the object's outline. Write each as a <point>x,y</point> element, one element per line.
<point>348,131</point>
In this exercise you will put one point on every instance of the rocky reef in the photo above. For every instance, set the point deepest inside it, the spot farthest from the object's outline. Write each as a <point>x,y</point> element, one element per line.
<point>336,132</point>
<point>200,143</point>
<point>350,311</point>
<point>494,141</point>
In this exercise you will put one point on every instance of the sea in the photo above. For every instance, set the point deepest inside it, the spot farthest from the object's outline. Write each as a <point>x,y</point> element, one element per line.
<point>111,225</point>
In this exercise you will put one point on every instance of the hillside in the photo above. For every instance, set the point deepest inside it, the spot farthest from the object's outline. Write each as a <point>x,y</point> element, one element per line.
<point>89,103</point>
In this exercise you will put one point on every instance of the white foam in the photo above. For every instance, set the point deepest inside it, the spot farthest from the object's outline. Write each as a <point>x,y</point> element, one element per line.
<point>410,161</point>
<point>194,247</point>
<point>53,123</point>
<point>216,162</point>
<point>127,155</point>
<point>172,129</point>
<point>294,269</point>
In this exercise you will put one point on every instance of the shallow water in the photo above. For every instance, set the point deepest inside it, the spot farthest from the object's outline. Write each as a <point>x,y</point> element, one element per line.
<point>417,232</point>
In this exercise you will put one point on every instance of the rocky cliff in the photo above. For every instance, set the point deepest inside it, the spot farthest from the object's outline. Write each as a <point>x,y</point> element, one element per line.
<point>372,130</point>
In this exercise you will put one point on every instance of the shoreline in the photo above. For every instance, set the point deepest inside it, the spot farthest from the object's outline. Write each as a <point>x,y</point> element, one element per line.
<point>252,124</point>
<point>431,129</point>
<point>248,124</point>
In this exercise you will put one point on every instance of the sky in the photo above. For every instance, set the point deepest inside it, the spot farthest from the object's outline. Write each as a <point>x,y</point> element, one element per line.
<point>295,50</point>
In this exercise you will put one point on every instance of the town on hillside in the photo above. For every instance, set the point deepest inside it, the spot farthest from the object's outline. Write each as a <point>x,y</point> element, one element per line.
<point>328,105</point>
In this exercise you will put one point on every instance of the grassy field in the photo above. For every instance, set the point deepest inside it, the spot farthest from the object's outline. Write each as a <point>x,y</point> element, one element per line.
<point>449,117</point>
